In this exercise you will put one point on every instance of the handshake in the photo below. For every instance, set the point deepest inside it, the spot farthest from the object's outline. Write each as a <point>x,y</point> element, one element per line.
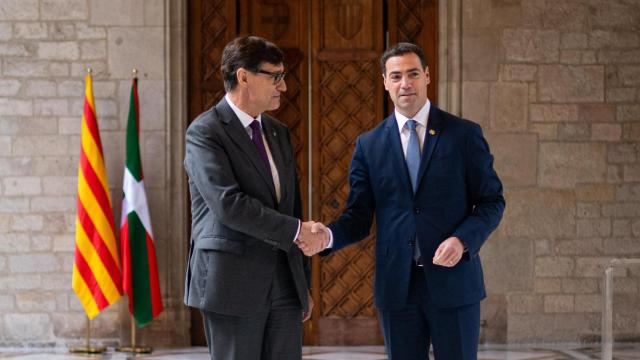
<point>313,238</point>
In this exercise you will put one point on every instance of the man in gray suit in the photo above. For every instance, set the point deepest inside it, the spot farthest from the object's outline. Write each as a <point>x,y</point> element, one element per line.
<point>245,274</point>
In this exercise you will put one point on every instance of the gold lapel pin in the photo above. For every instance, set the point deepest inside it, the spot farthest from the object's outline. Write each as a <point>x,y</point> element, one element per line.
<point>432,132</point>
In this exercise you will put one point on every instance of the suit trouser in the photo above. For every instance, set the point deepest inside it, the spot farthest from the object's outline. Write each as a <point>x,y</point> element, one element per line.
<point>408,332</point>
<point>273,334</point>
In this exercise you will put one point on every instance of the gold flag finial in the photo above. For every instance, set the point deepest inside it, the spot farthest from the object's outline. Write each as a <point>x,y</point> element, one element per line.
<point>135,73</point>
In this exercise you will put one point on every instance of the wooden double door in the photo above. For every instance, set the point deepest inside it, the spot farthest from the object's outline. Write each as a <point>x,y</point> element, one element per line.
<point>334,92</point>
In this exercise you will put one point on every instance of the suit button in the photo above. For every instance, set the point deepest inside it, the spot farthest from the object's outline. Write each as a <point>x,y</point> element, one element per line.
<point>416,210</point>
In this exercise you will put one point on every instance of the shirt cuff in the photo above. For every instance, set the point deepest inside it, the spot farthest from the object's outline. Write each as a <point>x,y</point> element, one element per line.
<point>298,231</point>
<point>330,246</point>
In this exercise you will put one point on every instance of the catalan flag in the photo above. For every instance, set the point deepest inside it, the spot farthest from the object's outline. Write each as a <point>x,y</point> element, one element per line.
<point>97,279</point>
<point>139,265</point>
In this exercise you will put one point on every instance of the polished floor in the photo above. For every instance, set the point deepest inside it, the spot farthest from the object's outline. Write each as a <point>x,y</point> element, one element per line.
<point>520,352</point>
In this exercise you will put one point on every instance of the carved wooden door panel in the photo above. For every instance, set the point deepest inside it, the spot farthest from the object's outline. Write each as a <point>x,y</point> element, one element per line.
<point>334,93</point>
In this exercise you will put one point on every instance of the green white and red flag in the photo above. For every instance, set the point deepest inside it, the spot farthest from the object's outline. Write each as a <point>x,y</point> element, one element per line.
<point>140,268</point>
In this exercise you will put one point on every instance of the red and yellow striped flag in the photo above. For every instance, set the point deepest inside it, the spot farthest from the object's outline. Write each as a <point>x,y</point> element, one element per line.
<point>97,278</point>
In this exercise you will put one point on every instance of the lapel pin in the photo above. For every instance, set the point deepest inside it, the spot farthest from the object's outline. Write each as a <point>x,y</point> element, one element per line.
<point>432,132</point>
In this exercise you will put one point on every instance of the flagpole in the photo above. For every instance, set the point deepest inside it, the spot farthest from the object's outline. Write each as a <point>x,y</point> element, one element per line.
<point>133,348</point>
<point>88,349</point>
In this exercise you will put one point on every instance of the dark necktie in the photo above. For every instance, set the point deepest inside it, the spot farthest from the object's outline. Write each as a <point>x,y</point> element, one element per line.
<point>256,137</point>
<point>413,164</point>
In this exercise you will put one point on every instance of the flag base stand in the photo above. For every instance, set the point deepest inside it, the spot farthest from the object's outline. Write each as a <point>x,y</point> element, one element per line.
<point>88,349</point>
<point>133,348</point>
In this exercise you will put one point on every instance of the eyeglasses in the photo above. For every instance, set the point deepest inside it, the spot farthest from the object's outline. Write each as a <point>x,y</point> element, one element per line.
<point>277,76</point>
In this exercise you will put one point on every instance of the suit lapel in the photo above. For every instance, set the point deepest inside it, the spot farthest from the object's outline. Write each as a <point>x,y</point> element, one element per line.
<point>239,136</point>
<point>434,127</point>
<point>276,153</point>
<point>395,148</point>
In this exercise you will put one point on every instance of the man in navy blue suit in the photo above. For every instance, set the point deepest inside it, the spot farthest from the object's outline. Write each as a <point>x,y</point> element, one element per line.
<point>428,178</point>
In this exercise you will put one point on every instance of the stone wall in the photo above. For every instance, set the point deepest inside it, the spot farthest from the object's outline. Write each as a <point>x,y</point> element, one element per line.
<point>556,86</point>
<point>45,47</point>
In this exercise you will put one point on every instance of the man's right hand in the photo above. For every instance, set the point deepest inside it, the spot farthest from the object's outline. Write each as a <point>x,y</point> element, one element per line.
<point>313,238</point>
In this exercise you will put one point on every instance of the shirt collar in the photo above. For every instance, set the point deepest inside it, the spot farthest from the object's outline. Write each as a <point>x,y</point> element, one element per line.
<point>421,117</point>
<point>245,118</point>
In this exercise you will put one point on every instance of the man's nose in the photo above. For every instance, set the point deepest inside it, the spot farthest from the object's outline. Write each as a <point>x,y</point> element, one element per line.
<point>282,86</point>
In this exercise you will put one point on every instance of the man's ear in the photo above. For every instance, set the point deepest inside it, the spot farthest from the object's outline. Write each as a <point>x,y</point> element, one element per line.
<point>241,76</point>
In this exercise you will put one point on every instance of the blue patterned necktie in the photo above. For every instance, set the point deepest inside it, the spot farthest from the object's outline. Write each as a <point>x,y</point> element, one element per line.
<point>413,164</point>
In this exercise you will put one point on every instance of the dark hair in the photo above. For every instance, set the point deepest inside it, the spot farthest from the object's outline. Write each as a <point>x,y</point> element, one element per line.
<point>401,49</point>
<point>247,52</point>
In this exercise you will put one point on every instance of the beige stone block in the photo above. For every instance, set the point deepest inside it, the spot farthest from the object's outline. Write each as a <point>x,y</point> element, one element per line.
<point>72,88</point>
<point>574,40</point>
<point>628,112</point>
<point>63,243</point>
<point>606,56</point>
<point>533,93</point>
<point>553,113</point>
<point>14,242</point>
<point>533,46</point>
<point>28,327</point>
<point>154,157</point>
<point>588,210</point>
<point>64,9</point>
<point>66,50</point>
<point>84,32</point>
<point>630,131</point>
<point>494,318</point>
<point>571,57</point>
<point>32,145</point>
<point>558,303</point>
<point>636,228</point>
<point>589,58</point>
<point>508,107</point>
<point>620,95</point>
<point>13,50</point>
<point>20,67</point>
<point>57,281</point>
<point>117,13</point>
<point>542,213</point>
<point>613,39</point>
<point>566,15</point>
<point>581,246</point>
<point>625,286</point>
<point>548,285</point>
<point>69,325</point>
<point>523,303</point>
<point>515,254</point>
<point>588,303</point>
<point>31,301</point>
<point>517,72</point>
<point>22,186</point>
<point>524,327</point>
<point>93,50</point>
<point>564,165</point>
<point>56,165</point>
<point>99,67</point>
<point>630,75</point>
<point>30,31</point>
<point>55,223</point>
<point>14,205</point>
<point>107,89</point>
<point>515,158</point>
<point>13,10</point>
<point>595,192</point>
<point>7,303</point>
<point>542,246</point>
<point>40,88</point>
<point>15,107</point>
<point>614,14</point>
<point>33,263</point>
<point>475,102</point>
<point>545,132</point>
<point>622,246</point>
<point>62,304</point>
<point>631,172</point>
<point>480,61</point>
<point>573,132</point>
<point>597,113</point>
<point>53,204</point>
<point>60,185</point>
<point>146,45</point>
<point>621,228</point>
<point>594,227</point>
<point>5,31</point>
<point>27,222</point>
<point>5,225</point>
<point>606,132</point>
<point>5,145</point>
<point>9,87</point>
<point>621,210</point>
<point>42,243</point>
<point>153,12</point>
<point>614,174</point>
<point>571,84</point>
<point>553,266</point>
<point>580,286</point>
<point>51,107</point>
<point>21,282</point>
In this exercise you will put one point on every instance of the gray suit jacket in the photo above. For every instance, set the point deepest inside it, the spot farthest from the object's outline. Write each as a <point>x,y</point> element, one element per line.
<point>238,227</point>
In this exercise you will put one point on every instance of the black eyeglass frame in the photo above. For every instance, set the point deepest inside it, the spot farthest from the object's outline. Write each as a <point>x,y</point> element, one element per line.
<point>277,76</point>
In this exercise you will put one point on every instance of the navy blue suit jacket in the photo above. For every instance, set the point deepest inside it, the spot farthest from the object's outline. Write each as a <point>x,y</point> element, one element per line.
<point>459,194</point>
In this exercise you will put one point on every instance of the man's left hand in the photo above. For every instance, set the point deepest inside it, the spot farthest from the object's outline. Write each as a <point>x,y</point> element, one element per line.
<point>306,315</point>
<point>449,252</point>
